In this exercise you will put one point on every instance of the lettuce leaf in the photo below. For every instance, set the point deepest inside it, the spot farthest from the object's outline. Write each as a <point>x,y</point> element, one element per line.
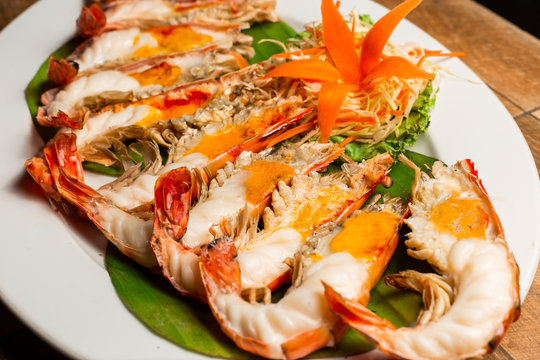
<point>404,136</point>
<point>366,18</point>
<point>278,31</point>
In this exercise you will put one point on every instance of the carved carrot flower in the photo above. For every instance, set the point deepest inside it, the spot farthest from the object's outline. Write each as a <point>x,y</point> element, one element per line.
<point>350,68</point>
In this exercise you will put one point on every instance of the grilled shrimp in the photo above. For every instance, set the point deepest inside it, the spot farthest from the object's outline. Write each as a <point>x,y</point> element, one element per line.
<point>121,14</point>
<point>115,48</point>
<point>130,230</point>
<point>93,91</point>
<point>299,209</point>
<point>209,148</point>
<point>98,131</point>
<point>240,191</point>
<point>475,297</point>
<point>236,99</point>
<point>350,257</point>
<point>247,115</point>
<point>60,170</point>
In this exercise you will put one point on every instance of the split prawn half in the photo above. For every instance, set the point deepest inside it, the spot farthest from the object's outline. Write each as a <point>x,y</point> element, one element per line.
<point>130,230</point>
<point>208,149</point>
<point>350,257</point>
<point>475,297</point>
<point>116,48</point>
<point>298,209</point>
<point>240,191</point>
<point>114,123</point>
<point>246,115</point>
<point>66,106</point>
<point>211,147</point>
<point>235,99</point>
<point>119,14</point>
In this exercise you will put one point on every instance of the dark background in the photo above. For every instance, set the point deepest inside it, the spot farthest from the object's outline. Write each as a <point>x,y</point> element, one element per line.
<point>523,13</point>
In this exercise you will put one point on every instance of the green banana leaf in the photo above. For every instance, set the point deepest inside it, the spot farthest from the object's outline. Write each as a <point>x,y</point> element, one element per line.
<point>279,31</point>
<point>191,325</point>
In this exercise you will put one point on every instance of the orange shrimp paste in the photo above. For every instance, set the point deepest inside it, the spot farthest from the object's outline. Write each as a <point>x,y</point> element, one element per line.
<point>366,235</point>
<point>219,142</point>
<point>172,39</point>
<point>172,106</point>
<point>321,208</point>
<point>162,74</point>
<point>264,176</point>
<point>461,218</point>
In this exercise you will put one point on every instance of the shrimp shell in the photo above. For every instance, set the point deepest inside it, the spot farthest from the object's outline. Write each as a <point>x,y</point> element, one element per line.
<point>121,14</point>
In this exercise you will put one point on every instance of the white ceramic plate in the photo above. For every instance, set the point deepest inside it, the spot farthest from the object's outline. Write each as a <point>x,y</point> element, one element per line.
<point>51,270</point>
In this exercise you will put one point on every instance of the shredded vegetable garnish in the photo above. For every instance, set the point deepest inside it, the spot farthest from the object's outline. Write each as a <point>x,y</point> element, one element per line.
<point>365,85</point>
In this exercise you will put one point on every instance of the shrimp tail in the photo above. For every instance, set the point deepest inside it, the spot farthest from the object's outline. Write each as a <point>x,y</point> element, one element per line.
<point>219,269</point>
<point>77,193</point>
<point>116,224</point>
<point>92,21</point>
<point>60,153</point>
<point>38,169</point>
<point>62,72</point>
<point>99,209</point>
<point>173,196</point>
<point>172,203</point>
<point>61,119</point>
<point>66,168</point>
<point>359,317</point>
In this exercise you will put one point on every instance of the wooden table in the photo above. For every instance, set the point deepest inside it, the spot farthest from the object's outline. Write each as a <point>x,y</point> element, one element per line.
<point>504,56</point>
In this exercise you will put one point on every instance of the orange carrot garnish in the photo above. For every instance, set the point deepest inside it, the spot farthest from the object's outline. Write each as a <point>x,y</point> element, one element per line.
<point>368,120</point>
<point>339,40</point>
<point>379,34</point>
<point>290,133</point>
<point>240,60</point>
<point>348,140</point>
<point>429,53</point>
<point>348,72</point>
<point>331,99</point>
<point>396,66</point>
<point>287,55</point>
<point>404,101</point>
<point>312,69</point>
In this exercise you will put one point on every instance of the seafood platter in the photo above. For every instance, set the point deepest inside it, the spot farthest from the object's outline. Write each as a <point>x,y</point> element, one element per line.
<point>253,179</point>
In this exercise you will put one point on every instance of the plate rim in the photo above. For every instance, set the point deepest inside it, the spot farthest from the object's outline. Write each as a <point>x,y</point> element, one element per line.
<point>10,295</point>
